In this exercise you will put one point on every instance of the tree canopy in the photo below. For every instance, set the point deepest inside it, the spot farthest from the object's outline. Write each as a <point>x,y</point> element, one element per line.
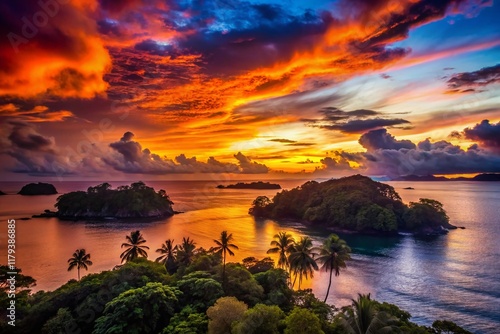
<point>101,201</point>
<point>355,203</point>
<point>141,296</point>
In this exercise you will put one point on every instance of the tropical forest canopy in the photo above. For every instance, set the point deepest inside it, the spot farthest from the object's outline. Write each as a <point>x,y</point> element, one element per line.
<point>191,290</point>
<point>354,203</point>
<point>134,201</point>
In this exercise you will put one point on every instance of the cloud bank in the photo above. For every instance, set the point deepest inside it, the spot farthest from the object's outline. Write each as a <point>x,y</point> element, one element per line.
<point>387,156</point>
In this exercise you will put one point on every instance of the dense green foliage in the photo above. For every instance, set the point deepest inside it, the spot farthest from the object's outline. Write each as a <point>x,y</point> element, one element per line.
<point>141,296</point>
<point>303,321</point>
<point>134,201</point>
<point>147,309</point>
<point>354,203</point>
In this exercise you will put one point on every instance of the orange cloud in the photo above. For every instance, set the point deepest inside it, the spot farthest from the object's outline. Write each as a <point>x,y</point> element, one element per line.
<point>36,115</point>
<point>53,50</point>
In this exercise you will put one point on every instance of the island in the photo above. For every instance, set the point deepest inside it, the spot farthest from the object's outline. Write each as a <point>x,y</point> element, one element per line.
<point>252,185</point>
<point>39,188</point>
<point>354,204</point>
<point>409,188</point>
<point>2,193</point>
<point>104,203</point>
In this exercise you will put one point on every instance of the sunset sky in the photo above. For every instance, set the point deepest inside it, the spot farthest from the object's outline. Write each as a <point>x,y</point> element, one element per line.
<point>166,89</point>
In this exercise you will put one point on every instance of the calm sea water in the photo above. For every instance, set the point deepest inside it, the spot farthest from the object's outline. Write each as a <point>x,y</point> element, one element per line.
<point>452,277</point>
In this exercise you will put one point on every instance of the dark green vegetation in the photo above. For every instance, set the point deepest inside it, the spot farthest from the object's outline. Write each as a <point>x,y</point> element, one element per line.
<point>134,201</point>
<point>354,203</point>
<point>189,297</point>
<point>252,185</point>
<point>38,189</point>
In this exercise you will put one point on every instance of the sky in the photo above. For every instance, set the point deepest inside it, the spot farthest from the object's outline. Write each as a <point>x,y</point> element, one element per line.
<point>257,89</point>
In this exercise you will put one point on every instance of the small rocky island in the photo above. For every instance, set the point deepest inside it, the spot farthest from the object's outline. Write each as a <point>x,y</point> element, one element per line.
<point>103,202</point>
<point>354,204</point>
<point>2,193</point>
<point>252,185</point>
<point>38,189</point>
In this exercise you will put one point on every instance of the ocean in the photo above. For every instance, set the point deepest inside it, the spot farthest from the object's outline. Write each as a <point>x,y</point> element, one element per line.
<point>454,277</point>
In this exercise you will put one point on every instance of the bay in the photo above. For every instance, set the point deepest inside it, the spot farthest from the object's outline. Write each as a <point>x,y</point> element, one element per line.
<point>451,277</point>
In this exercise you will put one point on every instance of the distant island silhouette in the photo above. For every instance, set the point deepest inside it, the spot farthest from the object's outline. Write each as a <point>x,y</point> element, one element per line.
<point>252,185</point>
<point>354,204</point>
<point>103,202</point>
<point>479,177</point>
<point>39,188</point>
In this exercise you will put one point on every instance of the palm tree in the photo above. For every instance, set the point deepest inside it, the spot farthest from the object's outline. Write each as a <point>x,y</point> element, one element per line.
<point>224,246</point>
<point>185,252</point>
<point>332,256</point>
<point>301,259</point>
<point>282,246</point>
<point>168,252</point>
<point>135,247</point>
<point>79,260</point>
<point>364,318</point>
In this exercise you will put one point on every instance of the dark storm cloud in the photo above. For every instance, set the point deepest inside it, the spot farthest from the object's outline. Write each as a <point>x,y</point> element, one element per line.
<point>398,25</point>
<point>256,35</point>
<point>250,167</point>
<point>432,158</point>
<point>131,150</point>
<point>485,133</point>
<point>466,81</point>
<point>386,155</point>
<point>335,163</point>
<point>154,47</point>
<point>280,140</point>
<point>28,151</point>
<point>381,139</point>
<point>24,136</point>
<point>362,125</point>
<point>356,121</point>
<point>128,156</point>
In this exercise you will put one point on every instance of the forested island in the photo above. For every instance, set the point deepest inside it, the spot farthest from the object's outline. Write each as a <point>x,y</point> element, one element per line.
<point>252,185</point>
<point>39,188</point>
<point>354,203</point>
<point>192,290</point>
<point>103,202</point>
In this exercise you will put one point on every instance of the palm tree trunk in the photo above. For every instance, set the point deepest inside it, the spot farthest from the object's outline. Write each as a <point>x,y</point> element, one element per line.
<point>78,268</point>
<point>329,285</point>
<point>294,280</point>
<point>224,272</point>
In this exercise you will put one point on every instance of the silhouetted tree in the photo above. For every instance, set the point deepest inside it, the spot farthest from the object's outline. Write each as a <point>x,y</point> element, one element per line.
<point>301,259</point>
<point>224,246</point>
<point>134,247</point>
<point>185,251</point>
<point>332,256</point>
<point>79,260</point>
<point>168,252</point>
<point>282,245</point>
